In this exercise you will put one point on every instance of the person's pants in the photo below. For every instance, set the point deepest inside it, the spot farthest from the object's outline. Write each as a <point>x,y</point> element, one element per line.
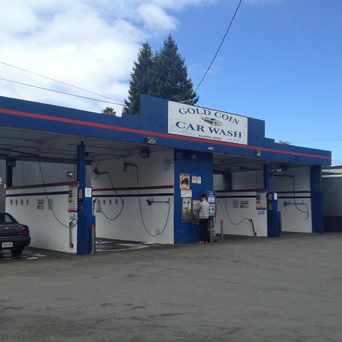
<point>204,233</point>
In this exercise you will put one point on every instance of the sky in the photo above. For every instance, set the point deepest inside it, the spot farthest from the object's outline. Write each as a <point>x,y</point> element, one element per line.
<point>282,62</point>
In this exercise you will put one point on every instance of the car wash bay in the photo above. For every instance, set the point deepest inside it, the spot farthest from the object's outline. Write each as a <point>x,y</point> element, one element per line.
<point>72,174</point>
<point>258,199</point>
<point>126,193</point>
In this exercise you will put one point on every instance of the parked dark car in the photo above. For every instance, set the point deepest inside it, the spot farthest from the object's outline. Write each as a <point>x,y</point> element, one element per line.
<point>14,236</point>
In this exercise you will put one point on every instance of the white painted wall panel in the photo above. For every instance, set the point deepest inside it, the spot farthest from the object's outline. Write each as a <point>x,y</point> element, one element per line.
<point>247,180</point>
<point>295,218</point>
<point>28,173</point>
<point>46,231</point>
<point>301,183</point>
<point>156,171</point>
<point>295,213</point>
<point>236,219</point>
<point>154,226</point>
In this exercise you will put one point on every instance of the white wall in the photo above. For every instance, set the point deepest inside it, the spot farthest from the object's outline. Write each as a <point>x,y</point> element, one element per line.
<point>247,180</point>
<point>236,213</point>
<point>236,218</point>
<point>295,210</point>
<point>302,180</point>
<point>146,225</point>
<point>29,173</point>
<point>295,213</point>
<point>46,231</point>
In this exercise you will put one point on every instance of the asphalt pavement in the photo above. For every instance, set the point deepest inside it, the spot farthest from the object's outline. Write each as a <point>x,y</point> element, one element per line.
<point>253,290</point>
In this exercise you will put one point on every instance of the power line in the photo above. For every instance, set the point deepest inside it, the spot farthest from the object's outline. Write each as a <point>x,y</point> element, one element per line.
<point>54,80</point>
<point>220,45</point>
<point>59,92</point>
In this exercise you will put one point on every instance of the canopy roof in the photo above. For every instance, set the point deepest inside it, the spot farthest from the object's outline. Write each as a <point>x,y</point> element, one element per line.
<point>30,130</point>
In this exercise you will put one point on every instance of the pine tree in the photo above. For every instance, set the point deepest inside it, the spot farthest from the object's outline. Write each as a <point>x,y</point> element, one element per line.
<point>164,75</point>
<point>170,75</point>
<point>141,79</point>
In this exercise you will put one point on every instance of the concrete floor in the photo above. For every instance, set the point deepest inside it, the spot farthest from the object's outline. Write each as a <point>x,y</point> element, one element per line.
<point>287,289</point>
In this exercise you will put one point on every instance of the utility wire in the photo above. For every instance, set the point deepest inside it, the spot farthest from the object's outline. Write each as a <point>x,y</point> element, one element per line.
<point>220,46</point>
<point>54,80</point>
<point>59,91</point>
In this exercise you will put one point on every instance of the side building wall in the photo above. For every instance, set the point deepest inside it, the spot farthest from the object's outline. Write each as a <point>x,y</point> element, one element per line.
<point>332,203</point>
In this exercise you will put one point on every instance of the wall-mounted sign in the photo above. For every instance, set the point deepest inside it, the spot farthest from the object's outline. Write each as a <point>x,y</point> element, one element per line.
<point>244,204</point>
<point>40,204</point>
<point>207,123</point>
<point>186,193</point>
<point>72,199</point>
<point>187,216</point>
<point>261,203</point>
<point>196,179</point>
<point>184,181</point>
<point>87,192</point>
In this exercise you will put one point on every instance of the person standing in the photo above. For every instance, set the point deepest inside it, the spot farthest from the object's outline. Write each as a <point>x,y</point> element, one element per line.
<point>203,215</point>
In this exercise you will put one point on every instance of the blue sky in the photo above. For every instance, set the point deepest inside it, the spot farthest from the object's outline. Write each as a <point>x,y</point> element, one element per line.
<point>281,63</point>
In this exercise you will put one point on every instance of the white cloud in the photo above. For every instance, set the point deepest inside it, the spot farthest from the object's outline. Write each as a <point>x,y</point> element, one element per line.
<point>156,17</point>
<point>91,43</point>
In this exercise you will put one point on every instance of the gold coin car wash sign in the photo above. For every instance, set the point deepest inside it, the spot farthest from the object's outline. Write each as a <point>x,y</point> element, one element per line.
<point>206,123</point>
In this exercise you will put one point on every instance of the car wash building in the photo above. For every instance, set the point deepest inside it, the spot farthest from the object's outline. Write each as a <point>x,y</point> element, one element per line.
<point>72,175</point>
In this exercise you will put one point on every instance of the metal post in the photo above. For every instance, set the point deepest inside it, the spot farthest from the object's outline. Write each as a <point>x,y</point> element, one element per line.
<point>93,236</point>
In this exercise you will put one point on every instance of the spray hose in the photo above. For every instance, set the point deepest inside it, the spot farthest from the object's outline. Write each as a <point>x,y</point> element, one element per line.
<point>147,231</point>
<point>47,197</point>
<point>244,219</point>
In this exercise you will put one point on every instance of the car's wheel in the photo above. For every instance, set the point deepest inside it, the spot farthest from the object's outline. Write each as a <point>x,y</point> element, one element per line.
<point>17,253</point>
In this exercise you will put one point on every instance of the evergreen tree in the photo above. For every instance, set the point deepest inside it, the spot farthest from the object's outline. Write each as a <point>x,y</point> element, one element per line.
<point>170,75</point>
<point>109,111</point>
<point>164,75</point>
<point>141,79</point>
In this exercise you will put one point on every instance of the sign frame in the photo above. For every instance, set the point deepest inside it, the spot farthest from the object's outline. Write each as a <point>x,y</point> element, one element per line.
<point>201,122</point>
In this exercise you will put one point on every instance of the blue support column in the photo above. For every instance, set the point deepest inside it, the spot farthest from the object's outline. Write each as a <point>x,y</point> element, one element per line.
<point>316,199</point>
<point>84,223</point>
<point>193,164</point>
<point>273,215</point>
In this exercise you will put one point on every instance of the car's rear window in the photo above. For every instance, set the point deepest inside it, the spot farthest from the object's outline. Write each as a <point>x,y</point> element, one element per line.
<point>6,219</point>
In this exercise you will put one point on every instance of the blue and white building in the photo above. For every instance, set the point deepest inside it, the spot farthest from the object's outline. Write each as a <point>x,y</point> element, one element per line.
<point>70,173</point>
